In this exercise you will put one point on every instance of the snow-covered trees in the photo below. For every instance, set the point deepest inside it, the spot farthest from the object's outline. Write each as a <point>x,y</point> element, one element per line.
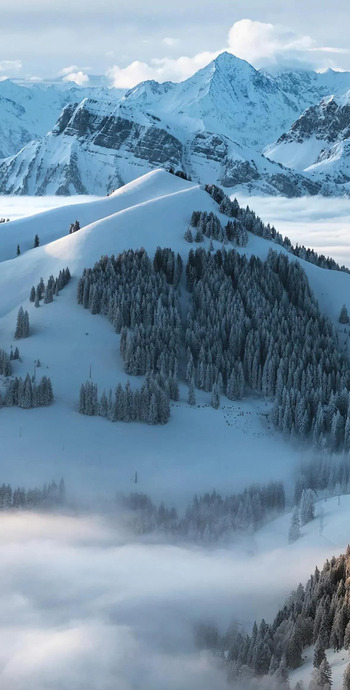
<point>53,287</point>
<point>294,530</point>
<point>47,496</point>
<point>346,678</point>
<point>208,225</point>
<point>307,506</point>
<point>308,617</point>
<point>191,392</point>
<point>322,677</point>
<point>188,235</point>
<point>150,404</point>
<point>26,393</point>
<point>344,316</point>
<point>211,517</point>
<point>247,219</point>
<point>251,325</point>
<point>257,325</point>
<point>22,326</point>
<point>74,227</point>
<point>140,297</point>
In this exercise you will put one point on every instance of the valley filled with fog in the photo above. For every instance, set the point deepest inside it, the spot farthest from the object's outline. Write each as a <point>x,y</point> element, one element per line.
<point>84,601</point>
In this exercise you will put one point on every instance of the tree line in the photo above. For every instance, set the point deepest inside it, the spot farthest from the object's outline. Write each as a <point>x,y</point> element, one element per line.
<point>252,223</point>
<point>47,496</point>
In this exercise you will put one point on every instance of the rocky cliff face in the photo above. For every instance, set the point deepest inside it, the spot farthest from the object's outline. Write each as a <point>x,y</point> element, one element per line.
<point>318,143</point>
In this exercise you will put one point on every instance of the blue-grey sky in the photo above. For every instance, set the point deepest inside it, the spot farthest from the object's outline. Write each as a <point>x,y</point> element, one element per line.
<point>134,39</point>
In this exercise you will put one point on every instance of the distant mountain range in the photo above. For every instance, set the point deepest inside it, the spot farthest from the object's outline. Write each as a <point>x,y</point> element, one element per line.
<point>229,123</point>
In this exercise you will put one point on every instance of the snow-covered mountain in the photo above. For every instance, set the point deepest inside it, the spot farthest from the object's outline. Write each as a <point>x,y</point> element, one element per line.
<point>29,110</point>
<point>213,126</point>
<point>152,211</point>
<point>318,142</point>
<point>306,87</point>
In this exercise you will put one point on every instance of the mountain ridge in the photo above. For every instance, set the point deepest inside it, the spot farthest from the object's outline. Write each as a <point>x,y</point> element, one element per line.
<point>214,126</point>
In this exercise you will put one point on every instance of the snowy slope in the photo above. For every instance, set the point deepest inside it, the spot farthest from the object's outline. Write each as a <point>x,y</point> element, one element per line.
<point>67,339</point>
<point>154,210</point>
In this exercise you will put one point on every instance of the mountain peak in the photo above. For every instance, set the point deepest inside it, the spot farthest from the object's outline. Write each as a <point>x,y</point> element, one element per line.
<point>229,60</point>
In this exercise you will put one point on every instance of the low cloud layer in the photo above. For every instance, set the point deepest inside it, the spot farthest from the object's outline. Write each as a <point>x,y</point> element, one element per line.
<point>85,606</point>
<point>316,222</point>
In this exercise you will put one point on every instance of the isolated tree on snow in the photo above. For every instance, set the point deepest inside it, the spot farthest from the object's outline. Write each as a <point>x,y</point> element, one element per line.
<point>307,506</point>
<point>18,250</point>
<point>294,530</point>
<point>36,241</point>
<point>22,326</point>
<point>344,316</point>
<point>188,235</point>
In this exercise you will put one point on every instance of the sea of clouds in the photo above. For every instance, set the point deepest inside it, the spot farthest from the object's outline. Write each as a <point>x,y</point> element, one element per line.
<point>316,222</point>
<point>86,606</point>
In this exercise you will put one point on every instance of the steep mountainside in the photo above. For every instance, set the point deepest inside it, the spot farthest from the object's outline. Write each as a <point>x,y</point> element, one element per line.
<point>306,88</point>
<point>318,142</point>
<point>29,112</point>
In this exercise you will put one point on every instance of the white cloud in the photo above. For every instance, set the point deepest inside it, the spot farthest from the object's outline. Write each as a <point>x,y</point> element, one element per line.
<point>85,604</point>
<point>160,69</point>
<point>171,42</point>
<point>79,78</point>
<point>68,70</point>
<point>261,44</point>
<point>10,66</point>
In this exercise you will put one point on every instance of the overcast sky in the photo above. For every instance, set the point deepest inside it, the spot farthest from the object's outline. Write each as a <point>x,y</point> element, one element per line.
<point>131,40</point>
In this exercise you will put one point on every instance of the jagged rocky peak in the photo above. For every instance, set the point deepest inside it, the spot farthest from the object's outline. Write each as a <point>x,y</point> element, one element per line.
<point>326,121</point>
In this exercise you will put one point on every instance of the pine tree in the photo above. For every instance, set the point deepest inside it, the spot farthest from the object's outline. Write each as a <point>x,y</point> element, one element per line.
<point>344,316</point>
<point>319,653</point>
<point>61,492</point>
<point>36,241</point>
<point>188,235</point>
<point>32,294</point>
<point>294,530</point>
<point>18,250</point>
<point>294,648</point>
<point>22,326</point>
<point>191,392</point>
<point>326,675</point>
<point>215,397</point>
<point>346,678</point>
<point>152,414</point>
<point>307,506</point>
